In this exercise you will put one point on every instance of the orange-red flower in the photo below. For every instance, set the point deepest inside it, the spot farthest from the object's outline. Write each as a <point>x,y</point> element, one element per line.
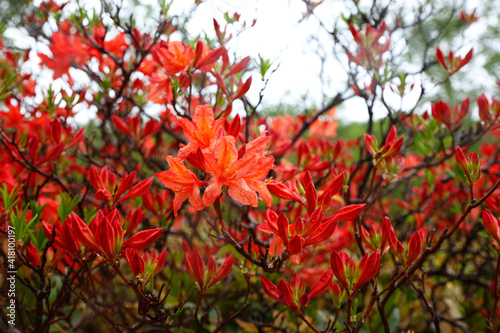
<point>66,51</point>
<point>183,182</point>
<point>244,176</point>
<point>202,132</point>
<point>175,57</point>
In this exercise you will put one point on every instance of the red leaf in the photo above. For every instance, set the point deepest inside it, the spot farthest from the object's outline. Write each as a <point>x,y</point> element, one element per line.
<point>243,88</point>
<point>223,270</point>
<point>134,261</point>
<point>33,255</point>
<point>138,189</point>
<point>239,66</point>
<point>321,284</point>
<point>77,137</point>
<point>142,239</point>
<point>369,266</point>
<point>333,188</point>
<point>220,83</point>
<point>311,198</point>
<point>211,57</point>
<point>121,125</point>
<point>296,244</point>
<point>461,161</point>
<point>235,127</point>
<point>198,267</point>
<point>337,265</point>
<point>440,58</point>
<point>283,225</point>
<point>94,179</point>
<point>491,224</point>
<point>125,184</point>
<point>83,233</point>
<point>270,289</point>
<point>349,212</point>
<point>415,246</point>
<point>54,153</point>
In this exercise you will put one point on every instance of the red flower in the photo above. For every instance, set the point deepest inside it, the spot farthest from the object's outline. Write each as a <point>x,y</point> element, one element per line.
<point>66,51</point>
<point>160,89</point>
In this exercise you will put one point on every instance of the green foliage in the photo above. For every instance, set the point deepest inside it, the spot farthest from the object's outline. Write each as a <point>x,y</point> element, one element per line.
<point>66,205</point>
<point>9,199</point>
<point>22,226</point>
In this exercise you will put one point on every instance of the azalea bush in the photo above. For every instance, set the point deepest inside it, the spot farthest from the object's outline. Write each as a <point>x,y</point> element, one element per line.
<point>184,205</point>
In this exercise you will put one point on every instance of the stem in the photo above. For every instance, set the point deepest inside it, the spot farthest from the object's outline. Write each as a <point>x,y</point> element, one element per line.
<point>421,292</point>
<point>195,315</point>
<point>336,317</point>
<point>308,323</point>
<point>372,181</point>
<point>349,306</point>
<point>495,298</point>
<point>383,316</point>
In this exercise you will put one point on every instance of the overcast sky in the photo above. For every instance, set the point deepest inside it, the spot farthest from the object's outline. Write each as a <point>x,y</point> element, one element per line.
<point>281,35</point>
<point>277,35</point>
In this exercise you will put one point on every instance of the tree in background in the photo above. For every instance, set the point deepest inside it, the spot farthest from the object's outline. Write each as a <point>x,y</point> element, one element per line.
<point>186,206</point>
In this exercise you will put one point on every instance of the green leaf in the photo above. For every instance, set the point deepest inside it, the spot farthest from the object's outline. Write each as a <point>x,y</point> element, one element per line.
<point>66,206</point>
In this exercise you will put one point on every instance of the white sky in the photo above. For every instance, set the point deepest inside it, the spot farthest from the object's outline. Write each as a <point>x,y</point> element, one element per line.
<point>278,36</point>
